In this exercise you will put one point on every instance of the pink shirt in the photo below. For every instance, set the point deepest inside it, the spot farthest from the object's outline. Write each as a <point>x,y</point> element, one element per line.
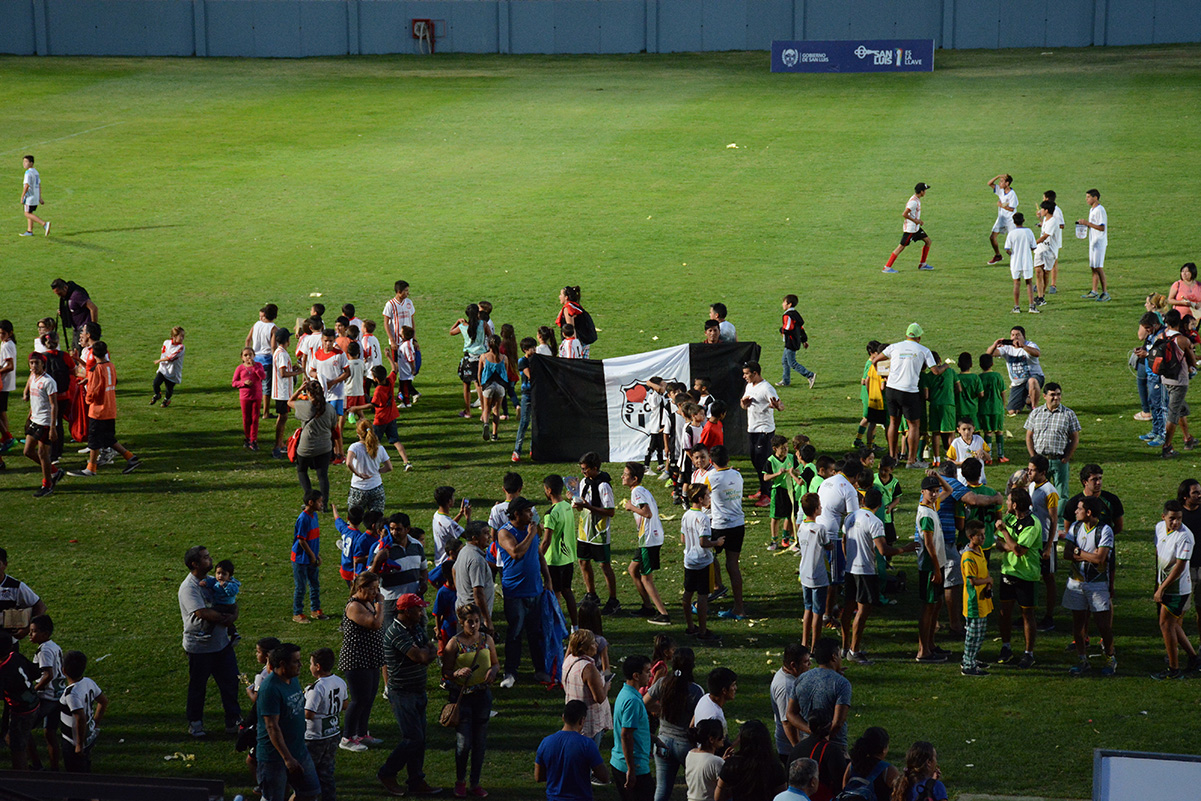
<point>1185,292</point>
<point>255,375</point>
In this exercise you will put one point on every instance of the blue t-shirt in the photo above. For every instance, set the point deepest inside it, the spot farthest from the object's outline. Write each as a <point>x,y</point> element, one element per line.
<point>346,540</point>
<point>225,595</point>
<point>522,364</point>
<point>933,789</point>
<point>308,529</point>
<point>521,578</point>
<point>444,607</point>
<point>361,549</point>
<point>286,699</point>
<point>946,512</point>
<point>629,712</point>
<point>568,758</point>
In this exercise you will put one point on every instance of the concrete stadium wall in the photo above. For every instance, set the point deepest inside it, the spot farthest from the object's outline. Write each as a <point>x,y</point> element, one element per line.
<point>297,28</point>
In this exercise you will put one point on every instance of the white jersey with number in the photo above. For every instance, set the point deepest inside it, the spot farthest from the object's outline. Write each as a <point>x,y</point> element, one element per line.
<point>725,498</point>
<point>1169,548</point>
<point>325,699</point>
<point>79,697</point>
<point>50,657</point>
<point>33,195</point>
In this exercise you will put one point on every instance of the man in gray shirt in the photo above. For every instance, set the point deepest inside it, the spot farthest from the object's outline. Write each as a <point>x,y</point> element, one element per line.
<point>823,688</point>
<point>206,642</point>
<point>473,574</point>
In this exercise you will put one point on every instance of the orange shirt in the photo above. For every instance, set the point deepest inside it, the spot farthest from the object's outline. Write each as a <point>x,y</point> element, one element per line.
<point>102,392</point>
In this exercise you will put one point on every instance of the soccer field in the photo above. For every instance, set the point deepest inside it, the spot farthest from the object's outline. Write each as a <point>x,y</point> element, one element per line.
<point>192,192</point>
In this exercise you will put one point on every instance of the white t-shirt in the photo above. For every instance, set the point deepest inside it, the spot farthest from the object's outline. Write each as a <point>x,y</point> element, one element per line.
<point>693,526</point>
<point>1048,229</point>
<point>543,350</point>
<point>363,463</point>
<point>354,384</point>
<point>1091,541</point>
<point>1020,244</point>
<point>406,360</point>
<point>1020,364</point>
<point>906,359</point>
<point>281,385</point>
<point>863,527</point>
<point>8,351</point>
<point>172,370</point>
<point>701,770</point>
<point>650,529</point>
<point>1008,198</point>
<point>398,313</point>
<point>812,540</point>
<point>1097,216</point>
<point>571,349</point>
<point>260,337</point>
<point>328,367</point>
<point>914,207</point>
<point>33,195</point>
<point>41,390</point>
<point>976,449</point>
<point>446,530</point>
<point>49,655</point>
<point>325,699</point>
<point>725,497</point>
<point>726,332</point>
<point>372,355</point>
<point>309,344</point>
<point>1170,547</point>
<point>358,323</point>
<point>79,696</point>
<point>706,709</point>
<point>839,499</point>
<point>1057,237</point>
<point>760,416</point>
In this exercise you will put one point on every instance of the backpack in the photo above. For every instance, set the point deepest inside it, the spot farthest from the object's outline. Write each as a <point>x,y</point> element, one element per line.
<point>20,676</point>
<point>585,329</point>
<point>56,366</point>
<point>1165,357</point>
<point>863,788</point>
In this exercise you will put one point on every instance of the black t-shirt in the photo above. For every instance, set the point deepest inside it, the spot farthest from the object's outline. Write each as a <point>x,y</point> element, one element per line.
<point>831,764</point>
<point>751,780</point>
<point>1192,521</point>
<point>1112,510</point>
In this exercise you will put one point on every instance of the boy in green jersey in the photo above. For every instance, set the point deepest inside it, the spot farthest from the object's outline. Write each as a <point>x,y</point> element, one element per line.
<point>558,546</point>
<point>992,407</point>
<point>968,391</point>
<point>1020,538</point>
<point>942,418</point>
<point>781,472</point>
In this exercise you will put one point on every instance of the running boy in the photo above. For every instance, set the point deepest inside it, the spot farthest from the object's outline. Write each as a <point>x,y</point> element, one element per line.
<point>911,230</point>
<point>170,367</point>
<point>793,330</point>
<point>650,542</point>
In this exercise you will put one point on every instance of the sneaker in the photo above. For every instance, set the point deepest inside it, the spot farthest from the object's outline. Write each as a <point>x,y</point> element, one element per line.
<point>709,637</point>
<point>593,597</point>
<point>728,614</point>
<point>352,744</point>
<point>166,403</point>
<point>464,414</point>
<point>1072,646</point>
<point>1104,296</point>
<point>1040,301</point>
<point>135,463</point>
<point>1016,309</point>
<point>1142,417</point>
<point>645,611</point>
<point>889,270</point>
<point>196,728</point>
<point>720,592</point>
<point>339,460</point>
<point>974,670</point>
<point>317,614</point>
<point>155,399</point>
<point>1155,442</point>
<point>370,741</point>
<point>475,404</point>
<point>924,267</point>
<point>931,659</point>
<point>1081,668</point>
<point>812,380</point>
<point>495,437</point>
<point>1027,661</point>
<point>477,792</point>
<point>1004,460</point>
<point>1168,452</point>
<point>994,260</point>
<point>859,658</point>
<point>47,227</point>
<point>1051,290</point>
<point>659,620</point>
<point>27,233</point>
<point>763,502</point>
<point>508,681</point>
<point>611,607</point>
<point>460,790</point>
<point>543,678</point>
<point>43,491</point>
<point>782,384</point>
<point>1006,655</point>
<point>106,457</point>
<point>82,451</point>
<point>1090,295</point>
<point>84,473</point>
<point>408,466</point>
<point>1111,667</point>
<point>486,435</point>
<point>1033,309</point>
<point>57,477</point>
<point>1190,443</point>
<point>516,457</point>
<point>757,496</point>
<point>254,446</point>
<point>1194,663</point>
<point>423,789</point>
<point>1046,624</point>
<point>919,465</point>
<point>771,546</point>
<point>279,453</point>
<point>299,618</point>
<point>1145,437</point>
<point>1168,674</point>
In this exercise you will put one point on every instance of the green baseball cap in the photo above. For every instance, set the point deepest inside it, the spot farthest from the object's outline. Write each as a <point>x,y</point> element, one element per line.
<point>914,330</point>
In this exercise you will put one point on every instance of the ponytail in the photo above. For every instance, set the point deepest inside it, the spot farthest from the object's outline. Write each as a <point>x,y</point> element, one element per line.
<point>917,761</point>
<point>473,320</point>
<point>316,397</point>
<point>572,293</point>
<point>367,435</point>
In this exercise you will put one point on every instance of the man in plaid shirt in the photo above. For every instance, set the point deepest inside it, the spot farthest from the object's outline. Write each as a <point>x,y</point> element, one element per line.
<point>1053,431</point>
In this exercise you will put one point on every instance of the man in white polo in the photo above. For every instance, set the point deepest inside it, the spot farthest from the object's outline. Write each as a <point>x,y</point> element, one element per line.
<point>1007,204</point>
<point>1098,240</point>
<point>901,395</point>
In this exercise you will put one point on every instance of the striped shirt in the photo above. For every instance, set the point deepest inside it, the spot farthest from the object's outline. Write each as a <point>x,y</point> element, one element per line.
<point>405,675</point>
<point>1052,430</point>
<point>402,568</point>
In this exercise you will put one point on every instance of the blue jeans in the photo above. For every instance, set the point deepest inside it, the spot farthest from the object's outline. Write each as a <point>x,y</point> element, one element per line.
<point>524,424</point>
<point>1157,399</point>
<point>1144,391</point>
<point>268,367</point>
<point>409,710</point>
<point>523,615</point>
<point>790,363</point>
<point>302,575</point>
<point>274,779</point>
<point>667,767</point>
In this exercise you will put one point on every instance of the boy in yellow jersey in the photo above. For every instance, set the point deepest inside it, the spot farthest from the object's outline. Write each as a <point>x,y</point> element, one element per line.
<point>977,598</point>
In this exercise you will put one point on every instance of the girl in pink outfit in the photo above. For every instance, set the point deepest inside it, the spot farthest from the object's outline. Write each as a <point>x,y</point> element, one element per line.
<point>248,380</point>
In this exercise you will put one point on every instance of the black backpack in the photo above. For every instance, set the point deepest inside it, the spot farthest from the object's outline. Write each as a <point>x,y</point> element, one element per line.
<point>1165,357</point>
<point>56,366</point>
<point>585,329</point>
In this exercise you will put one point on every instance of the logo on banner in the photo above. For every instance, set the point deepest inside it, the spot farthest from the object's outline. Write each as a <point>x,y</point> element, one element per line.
<point>790,57</point>
<point>879,57</point>
<point>636,407</point>
<point>910,60</point>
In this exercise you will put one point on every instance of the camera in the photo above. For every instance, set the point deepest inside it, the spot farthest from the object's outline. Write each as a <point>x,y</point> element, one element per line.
<point>1006,342</point>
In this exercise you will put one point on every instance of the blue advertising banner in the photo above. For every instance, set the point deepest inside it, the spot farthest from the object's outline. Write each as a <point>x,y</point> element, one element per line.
<point>862,55</point>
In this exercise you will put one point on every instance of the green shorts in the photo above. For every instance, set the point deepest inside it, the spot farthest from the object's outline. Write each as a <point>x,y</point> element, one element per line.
<point>942,419</point>
<point>593,552</point>
<point>927,592</point>
<point>647,559</point>
<point>989,422</point>
<point>1175,604</point>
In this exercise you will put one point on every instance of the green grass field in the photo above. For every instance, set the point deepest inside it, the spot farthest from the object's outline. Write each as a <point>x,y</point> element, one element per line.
<point>191,192</point>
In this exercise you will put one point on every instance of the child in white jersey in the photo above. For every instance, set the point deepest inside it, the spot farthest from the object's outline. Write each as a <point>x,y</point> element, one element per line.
<point>650,542</point>
<point>324,701</point>
<point>83,705</point>
<point>49,658</point>
<point>696,537</point>
<point>813,541</point>
<point>170,367</point>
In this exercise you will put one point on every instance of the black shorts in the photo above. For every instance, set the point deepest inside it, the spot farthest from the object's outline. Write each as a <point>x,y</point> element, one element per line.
<point>560,577</point>
<point>593,552</point>
<point>877,416</point>
<point>37,433</point>
<point>31,209</point>
<point>699,579</point>
<point>281,408</point>
<point>48,716</point>
<point>734,537</point>
<point>101,433</point>
<point>908,236</point>
<point>862,589</point>
<point>903,404</point>
<point>4,401</point>
<point>1016,589</point>
<point>386,432</point>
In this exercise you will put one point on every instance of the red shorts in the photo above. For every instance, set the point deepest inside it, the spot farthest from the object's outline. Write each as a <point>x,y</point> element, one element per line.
<point>355,400</point>
<point>346,574</point>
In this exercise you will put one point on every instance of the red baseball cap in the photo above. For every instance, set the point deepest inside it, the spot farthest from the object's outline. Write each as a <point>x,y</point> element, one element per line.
<point>410,601</point>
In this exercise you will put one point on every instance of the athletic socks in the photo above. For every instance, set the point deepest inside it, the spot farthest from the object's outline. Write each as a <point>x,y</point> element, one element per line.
<point>1000,440</point>
<point>925,253</point>
<point>891,259</point>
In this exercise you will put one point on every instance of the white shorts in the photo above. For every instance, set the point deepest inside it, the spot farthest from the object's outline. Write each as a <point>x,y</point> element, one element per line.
<point>1044,256</point>
<point>952,571</point>
<point>1093,596</point>
<point>1018,273</point>
<point>1096,256</point>
<point>1004,223</point>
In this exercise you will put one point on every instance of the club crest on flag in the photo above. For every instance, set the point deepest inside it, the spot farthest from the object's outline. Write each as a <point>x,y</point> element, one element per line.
<point>637,407</point>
